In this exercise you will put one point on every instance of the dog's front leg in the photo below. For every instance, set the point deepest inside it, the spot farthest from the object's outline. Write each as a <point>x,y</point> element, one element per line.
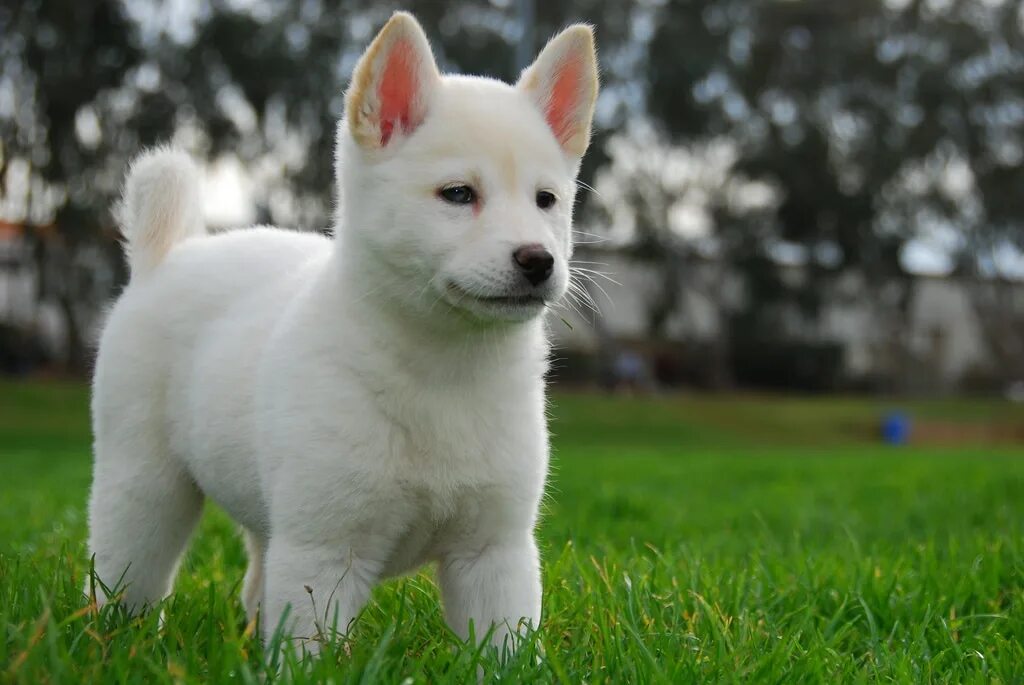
<point>314,592</point>
<point>497,586</point>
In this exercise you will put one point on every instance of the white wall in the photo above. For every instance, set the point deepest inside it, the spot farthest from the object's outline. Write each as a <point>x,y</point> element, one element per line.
<point>945,331</point>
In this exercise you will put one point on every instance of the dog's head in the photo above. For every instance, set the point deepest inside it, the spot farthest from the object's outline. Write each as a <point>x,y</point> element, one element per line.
<point>460,189</point>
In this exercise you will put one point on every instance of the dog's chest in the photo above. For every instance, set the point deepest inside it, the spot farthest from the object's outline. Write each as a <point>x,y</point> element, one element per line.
<point>458,464</point>
<point>448,441</point>
<point>433,523</point>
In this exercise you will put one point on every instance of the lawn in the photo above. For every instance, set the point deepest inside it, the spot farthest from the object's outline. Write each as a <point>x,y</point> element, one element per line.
<point>751,539</point>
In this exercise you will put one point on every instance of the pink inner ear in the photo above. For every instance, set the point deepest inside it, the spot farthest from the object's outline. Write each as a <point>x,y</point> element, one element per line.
<point>564,99</point>
<point>397,91</point>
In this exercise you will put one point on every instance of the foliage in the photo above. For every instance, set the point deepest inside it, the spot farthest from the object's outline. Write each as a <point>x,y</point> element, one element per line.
<point>873,123</point>
<point>87,85</point>
<point>879,123</point>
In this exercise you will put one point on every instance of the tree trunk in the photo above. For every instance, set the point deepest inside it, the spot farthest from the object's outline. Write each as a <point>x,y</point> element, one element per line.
<point>722,377</point>
<point>77,358</point>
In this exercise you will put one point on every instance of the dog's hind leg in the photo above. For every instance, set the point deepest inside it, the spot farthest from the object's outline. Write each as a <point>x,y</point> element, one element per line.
<point>252,586</point>
<point>142,509</point>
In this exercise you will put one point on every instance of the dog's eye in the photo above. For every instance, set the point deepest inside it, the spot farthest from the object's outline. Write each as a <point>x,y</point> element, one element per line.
<point>545,199</point>
<point>458,194</point>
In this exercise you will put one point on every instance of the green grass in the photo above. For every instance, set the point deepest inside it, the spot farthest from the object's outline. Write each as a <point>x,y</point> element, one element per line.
<point>684,540</point>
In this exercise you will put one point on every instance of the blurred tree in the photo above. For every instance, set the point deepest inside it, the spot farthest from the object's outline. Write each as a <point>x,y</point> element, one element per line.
<point>880,122</point>
<point>877,123</point>
<point>677,196</point>
<point>87,85</point>
<point>58,60</point>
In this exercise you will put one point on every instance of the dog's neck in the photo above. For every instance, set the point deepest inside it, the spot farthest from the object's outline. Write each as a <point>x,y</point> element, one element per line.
<point>433,342</point>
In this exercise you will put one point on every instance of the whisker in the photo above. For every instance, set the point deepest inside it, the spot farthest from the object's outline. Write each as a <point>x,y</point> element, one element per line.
<point>597,285</point>
<point>587,186</point>
<point>580,301</point>
<point>583,296</point>
<point>595,238</point>
<point>567,305</point>
<point>577,282</point>
<point>579,293</point>
<point>590,273</point>
<point>581,262</point>
<point>589,235</point>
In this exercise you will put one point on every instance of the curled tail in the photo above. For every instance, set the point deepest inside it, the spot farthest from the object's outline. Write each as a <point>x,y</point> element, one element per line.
<point>161,206</point>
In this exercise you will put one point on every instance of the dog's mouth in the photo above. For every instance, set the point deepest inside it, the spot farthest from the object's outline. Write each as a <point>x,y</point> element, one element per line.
<point>507,305</point>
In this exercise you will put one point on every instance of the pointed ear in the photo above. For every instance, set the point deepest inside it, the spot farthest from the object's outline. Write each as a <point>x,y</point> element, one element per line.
<point>392,84</point>
<point>563,83</point>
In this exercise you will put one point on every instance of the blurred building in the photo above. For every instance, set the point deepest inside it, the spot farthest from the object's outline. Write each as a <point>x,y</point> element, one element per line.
<point>51,298</point>
<point>31,330</point>
<point>940,344</point>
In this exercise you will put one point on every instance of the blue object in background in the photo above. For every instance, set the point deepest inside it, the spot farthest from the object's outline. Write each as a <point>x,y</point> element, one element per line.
<point>896,428</point>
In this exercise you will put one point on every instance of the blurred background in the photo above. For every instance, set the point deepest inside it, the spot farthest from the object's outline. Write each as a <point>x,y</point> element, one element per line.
<point>800,241</point>
<point>801,195</point>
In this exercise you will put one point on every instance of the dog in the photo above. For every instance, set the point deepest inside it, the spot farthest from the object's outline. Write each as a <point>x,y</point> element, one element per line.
<point>364,404</point>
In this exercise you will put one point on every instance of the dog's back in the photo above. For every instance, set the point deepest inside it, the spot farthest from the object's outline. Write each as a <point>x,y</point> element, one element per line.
<point>178,354</point>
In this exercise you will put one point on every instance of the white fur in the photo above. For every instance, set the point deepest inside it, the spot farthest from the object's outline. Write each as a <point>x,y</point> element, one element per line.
<point>349,402</point>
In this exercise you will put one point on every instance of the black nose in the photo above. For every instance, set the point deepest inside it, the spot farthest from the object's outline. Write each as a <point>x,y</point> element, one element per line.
<point>535,262</point>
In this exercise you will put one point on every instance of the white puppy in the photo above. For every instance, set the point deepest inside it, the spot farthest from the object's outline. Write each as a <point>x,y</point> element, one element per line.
<point>361,405</point>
